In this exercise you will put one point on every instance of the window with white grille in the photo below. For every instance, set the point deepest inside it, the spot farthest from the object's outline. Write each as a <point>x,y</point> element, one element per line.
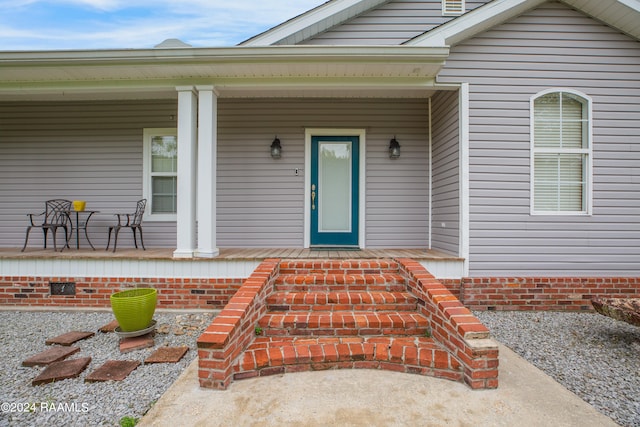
<point>160,173</point>
<point>561,153</point>
<point>452,7</point>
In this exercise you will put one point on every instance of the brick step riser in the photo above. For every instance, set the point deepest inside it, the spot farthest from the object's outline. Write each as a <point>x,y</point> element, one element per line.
<point>389,287</point>
<point>302,267</point>
<point>343,279</point>
<point>342,307</point>
<point>311,271</point>
<point>345,323</point>
<point>418,356</point>
<point>345,332</point>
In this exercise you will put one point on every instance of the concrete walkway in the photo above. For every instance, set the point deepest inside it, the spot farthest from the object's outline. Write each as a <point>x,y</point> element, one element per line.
<point>526,397</point>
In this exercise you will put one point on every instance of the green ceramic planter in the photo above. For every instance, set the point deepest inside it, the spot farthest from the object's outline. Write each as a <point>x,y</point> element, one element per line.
<point>134,308</point>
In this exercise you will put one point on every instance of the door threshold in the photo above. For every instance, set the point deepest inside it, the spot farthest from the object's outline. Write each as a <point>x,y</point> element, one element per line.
<point>334,248</point>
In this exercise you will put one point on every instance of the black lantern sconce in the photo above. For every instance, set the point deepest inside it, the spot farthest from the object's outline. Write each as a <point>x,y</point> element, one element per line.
<point>394,149</point>
<point>276,149</point>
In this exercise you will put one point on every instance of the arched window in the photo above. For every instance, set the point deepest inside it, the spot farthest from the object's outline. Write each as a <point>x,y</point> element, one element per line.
<point>560,152</point>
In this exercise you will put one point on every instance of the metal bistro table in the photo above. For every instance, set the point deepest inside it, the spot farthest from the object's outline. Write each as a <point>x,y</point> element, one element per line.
<point>81,224</point>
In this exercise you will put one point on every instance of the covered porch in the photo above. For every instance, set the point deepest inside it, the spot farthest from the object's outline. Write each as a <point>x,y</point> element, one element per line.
<point>87,127</point>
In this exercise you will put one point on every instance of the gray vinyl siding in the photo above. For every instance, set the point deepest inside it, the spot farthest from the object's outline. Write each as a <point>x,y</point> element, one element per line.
<point>550,47</point>
<point>445,234</point>
<point>93,152</point>
<point>391,24</point>
<point>78,151</point>
<point>261,200</point>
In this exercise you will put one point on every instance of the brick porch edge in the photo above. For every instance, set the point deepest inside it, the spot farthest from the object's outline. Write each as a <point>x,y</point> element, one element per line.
<point>95,292</point>
<point>453,325</point>
<point>486,293</point>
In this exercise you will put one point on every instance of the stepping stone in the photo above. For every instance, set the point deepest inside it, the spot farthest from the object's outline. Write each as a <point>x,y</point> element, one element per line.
<point>62,370</point>
<point>69,338</point>
<point>113,370</point>
<point>109,327</point>
<point>136,343</point>
<point>167,355</point>
<point>47,357</point>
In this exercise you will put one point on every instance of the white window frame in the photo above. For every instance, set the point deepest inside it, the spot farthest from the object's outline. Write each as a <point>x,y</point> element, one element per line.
<point>148,135</point>
<point>453,7</point>
<point>588,151</point>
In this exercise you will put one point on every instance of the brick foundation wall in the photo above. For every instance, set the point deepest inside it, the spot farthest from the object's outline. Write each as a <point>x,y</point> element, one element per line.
<point>452,285</point>
<point>543,293</point>
<point>487,293</point>
<point>94,292</point>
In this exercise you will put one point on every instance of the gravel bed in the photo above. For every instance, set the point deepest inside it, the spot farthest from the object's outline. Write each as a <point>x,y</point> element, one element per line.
<point>594,356</point>
<point>73,402</point>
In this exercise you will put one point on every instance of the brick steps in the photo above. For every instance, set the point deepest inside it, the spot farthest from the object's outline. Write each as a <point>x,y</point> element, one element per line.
<point>319,282</point>
<point>342,314</point>
<point>341,301</point>
<point>343,323</point>
<point>420,355</point>
<point>329,314</point>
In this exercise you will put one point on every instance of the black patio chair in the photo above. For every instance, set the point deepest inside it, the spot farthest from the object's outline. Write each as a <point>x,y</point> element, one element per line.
<point>132,221</point>
<point>55,215</point>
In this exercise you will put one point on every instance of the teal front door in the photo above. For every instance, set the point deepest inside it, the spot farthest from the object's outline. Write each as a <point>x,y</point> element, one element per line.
<point>334,190</point>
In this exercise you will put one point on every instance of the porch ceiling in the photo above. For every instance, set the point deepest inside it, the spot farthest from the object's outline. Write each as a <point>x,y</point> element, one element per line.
<point>299,71</point>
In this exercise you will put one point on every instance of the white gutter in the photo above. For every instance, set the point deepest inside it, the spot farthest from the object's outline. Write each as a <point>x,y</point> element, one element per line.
<point>223,55</point>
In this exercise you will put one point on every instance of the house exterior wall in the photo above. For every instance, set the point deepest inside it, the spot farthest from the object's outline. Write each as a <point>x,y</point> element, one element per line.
<point>78,151</point>
<point>445,234</point>
<point>93,151</point>
<point>391,24</point>
<point>261,200</point>
<point>552,46</point>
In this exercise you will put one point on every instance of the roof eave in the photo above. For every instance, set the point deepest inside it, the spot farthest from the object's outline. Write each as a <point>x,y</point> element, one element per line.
<point>499,11</point>
<point>313,22</point>
<point>26,74</point>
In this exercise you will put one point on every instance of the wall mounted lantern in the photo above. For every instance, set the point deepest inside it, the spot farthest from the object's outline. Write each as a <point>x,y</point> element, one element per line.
<point>394,149</point>
<point>276,149</point>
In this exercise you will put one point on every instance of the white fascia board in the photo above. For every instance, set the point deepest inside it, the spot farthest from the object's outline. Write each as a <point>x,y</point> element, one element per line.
<point>223,55</point>
<point>474,22</point>
<point>323,13</point>
<point>82,73</point>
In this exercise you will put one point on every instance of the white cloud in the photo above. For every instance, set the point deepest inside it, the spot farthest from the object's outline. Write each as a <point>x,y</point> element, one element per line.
<point>96,24</point>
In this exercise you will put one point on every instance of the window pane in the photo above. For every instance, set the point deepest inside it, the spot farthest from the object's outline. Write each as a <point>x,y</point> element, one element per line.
<point>547,120</point>
<point>546,197</point>
<point>164,194</point>
<point>164,154</point>
<point>571,183</point>
<point>335,186</point>
<point>559,182</point>
<point>573,135</point>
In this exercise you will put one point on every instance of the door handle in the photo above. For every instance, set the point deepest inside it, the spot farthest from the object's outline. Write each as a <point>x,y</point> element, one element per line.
<point>313,197</point>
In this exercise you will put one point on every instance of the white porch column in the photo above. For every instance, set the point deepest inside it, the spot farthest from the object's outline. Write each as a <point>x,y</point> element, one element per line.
<point>207,167</point>
<point>186,199</point>
<point>465,226</point>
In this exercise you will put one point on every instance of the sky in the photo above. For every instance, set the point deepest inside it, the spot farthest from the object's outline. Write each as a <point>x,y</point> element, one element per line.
<point>138,24</point>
